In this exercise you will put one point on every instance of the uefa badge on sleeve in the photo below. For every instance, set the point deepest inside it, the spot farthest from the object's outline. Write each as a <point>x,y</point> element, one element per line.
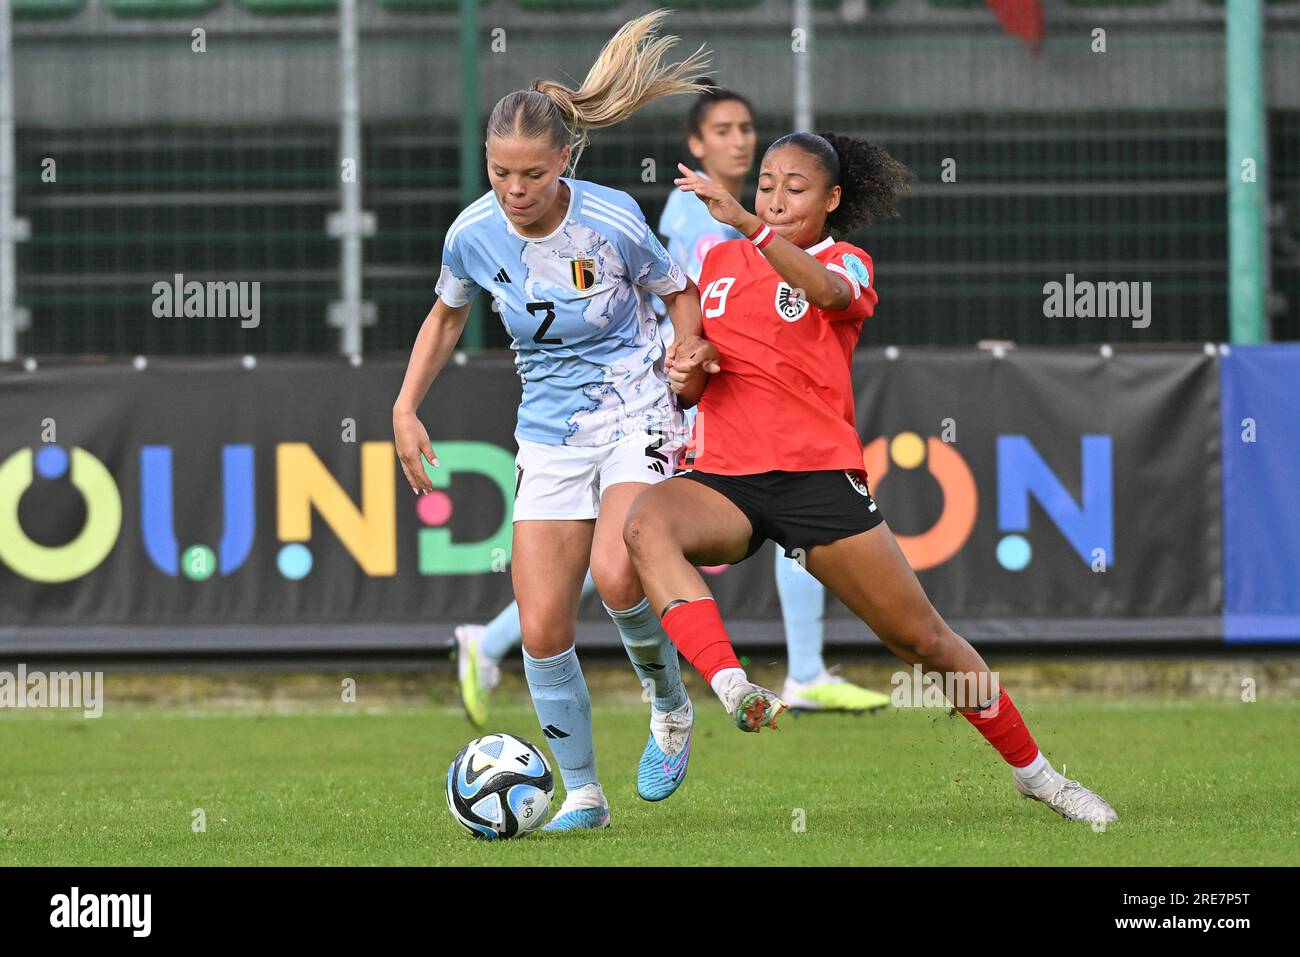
<point>857,269</point>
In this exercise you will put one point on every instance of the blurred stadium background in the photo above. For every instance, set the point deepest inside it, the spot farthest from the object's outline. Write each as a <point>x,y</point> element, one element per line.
<point>1102,138</point>
<point>225,163</point>
<point>1126,546</point>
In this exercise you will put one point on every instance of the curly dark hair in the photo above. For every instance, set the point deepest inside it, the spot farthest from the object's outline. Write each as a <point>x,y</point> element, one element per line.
<point>870,180</point>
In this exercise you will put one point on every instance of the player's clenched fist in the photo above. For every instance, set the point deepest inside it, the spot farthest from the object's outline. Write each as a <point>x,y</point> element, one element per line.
<point>689,361</point>
<point>687,354</point>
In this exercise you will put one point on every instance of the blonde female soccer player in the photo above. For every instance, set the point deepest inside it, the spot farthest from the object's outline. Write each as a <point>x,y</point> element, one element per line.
<point>572,265</point>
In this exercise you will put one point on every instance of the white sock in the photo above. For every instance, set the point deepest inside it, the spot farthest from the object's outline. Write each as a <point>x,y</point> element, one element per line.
<point>1033,769</point>
<point>724,678</point>
<point>589,795</point>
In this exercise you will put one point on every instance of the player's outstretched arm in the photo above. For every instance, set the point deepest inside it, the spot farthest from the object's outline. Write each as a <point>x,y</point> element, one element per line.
<point>438,335</point>
<point>821,287</point>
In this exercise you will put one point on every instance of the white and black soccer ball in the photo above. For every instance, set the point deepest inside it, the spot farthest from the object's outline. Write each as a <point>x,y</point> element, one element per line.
<point>500,786</point>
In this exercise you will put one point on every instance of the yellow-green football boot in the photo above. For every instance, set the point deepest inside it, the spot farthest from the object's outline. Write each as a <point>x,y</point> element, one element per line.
<point>828,692</point>
<point>478,673</point>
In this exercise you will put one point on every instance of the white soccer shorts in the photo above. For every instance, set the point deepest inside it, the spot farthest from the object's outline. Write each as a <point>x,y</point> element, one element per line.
<point>566,481</point>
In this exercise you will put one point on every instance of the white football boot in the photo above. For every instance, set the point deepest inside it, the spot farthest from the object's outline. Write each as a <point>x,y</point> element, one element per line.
<point>1066,797</point>
<point>752,706</point>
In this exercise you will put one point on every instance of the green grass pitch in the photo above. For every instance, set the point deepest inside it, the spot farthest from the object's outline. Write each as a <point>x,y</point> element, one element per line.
<point>1195,783</point>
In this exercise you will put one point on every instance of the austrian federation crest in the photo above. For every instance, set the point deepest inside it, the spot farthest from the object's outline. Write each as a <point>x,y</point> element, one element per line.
<point>789,305</point>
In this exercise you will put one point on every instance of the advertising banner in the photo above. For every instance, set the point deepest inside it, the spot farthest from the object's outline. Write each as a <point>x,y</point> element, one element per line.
<point>217,505</point>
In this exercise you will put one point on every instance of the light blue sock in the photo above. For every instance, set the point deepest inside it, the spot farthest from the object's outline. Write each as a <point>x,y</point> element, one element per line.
<point>564,711</point>
<point>803,602</point>
<point>504,632</point>
<point>653,655</point>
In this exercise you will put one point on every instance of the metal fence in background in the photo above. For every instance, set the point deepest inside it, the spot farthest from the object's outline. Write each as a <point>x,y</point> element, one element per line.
<point>224,165</point>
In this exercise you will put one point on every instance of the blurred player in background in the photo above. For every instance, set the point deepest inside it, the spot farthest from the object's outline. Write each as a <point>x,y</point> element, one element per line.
<point>722,139</point>
<point>783,310</point>
<point>572,265</point>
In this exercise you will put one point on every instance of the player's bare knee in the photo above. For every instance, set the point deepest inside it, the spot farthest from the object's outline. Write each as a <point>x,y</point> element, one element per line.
<point>929,639</point>
<point>616,582</point>
<point>543,638</point>
<point>622,599</point>
<point>547,646</point>
<point>633,531</point>
<point>643,529</point>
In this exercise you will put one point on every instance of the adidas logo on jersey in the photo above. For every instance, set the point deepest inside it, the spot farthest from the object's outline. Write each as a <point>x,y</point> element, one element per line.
<point>790,306</point>
<point>502,277</point>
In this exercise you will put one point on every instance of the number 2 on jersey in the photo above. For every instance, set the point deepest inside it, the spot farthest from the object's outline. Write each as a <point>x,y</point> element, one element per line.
<point>549,309</point>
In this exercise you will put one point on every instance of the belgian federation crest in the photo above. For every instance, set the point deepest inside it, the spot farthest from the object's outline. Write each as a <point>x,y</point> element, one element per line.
<point>790,306</point>
<point>584,273</point>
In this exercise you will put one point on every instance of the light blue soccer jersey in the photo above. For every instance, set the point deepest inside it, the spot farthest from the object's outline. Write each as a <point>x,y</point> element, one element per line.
<point>691,231</point>
<point>577,307</point>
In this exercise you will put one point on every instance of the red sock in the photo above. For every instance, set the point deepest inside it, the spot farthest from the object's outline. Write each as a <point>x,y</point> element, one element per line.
<point>1002,725</point>
<point>696,629</point>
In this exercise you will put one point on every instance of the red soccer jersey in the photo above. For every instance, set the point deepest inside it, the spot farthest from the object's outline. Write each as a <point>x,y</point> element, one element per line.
<point>783,400</point>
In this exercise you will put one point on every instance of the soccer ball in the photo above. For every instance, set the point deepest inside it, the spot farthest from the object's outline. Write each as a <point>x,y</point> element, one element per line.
<point>499,786</point>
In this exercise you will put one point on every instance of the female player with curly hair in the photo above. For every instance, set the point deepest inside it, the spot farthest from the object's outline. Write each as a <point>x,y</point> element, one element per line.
<point>778,454</point>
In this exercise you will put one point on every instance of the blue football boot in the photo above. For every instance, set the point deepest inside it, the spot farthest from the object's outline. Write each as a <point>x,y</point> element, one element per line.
<point>667,753</point>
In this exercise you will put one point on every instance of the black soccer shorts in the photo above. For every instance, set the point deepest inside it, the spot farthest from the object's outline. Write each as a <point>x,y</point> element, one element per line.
<point>797,510</point>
